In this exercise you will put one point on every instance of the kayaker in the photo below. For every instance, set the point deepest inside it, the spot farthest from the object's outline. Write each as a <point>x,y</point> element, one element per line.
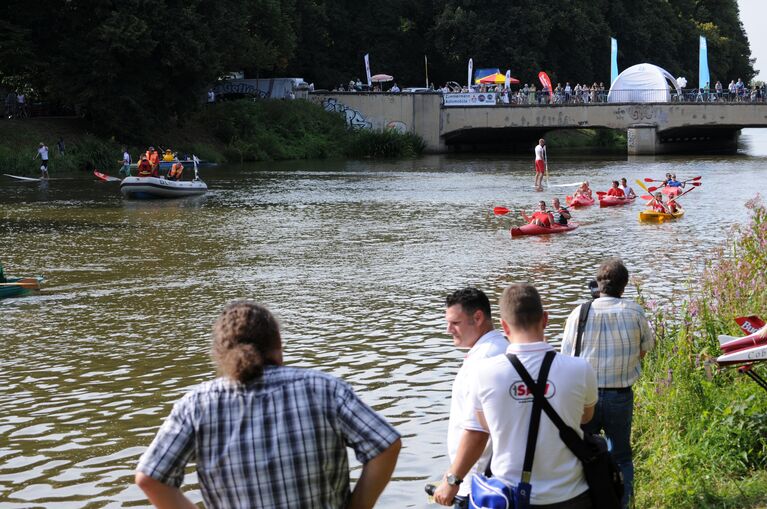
<point>656,204</point>
<point>584,190</point>
<point>671,205</point>
<point>540,164</point>
<point>673,182</point>
<point>144,167</point>
<point>175,171</point>
<point>627,191</point>
<point>616,191</point>
<point>542,217</point>
<point>2,274</point>
<point>561,214</point>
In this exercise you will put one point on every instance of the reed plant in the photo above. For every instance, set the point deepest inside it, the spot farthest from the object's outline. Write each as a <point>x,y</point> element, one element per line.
<point>700,432</point>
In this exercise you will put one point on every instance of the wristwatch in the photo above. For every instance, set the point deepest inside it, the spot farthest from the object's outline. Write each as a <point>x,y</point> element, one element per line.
<point>452,480</point>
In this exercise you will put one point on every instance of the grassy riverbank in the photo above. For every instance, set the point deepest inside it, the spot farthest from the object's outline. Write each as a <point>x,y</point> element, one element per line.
<point>700,433</point>
<point>233,132</point>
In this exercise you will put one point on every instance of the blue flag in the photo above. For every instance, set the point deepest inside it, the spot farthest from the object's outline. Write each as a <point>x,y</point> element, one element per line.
<point>703,78</point>
<point>613,60</point>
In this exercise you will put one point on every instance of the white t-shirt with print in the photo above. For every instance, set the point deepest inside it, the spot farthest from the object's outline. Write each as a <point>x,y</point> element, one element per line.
<point>500,394</point>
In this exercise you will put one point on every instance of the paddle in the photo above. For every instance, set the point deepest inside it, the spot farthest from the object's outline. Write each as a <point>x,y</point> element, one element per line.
<point>567,185</point>
<point>500,211</point>
<point>693,184</point>
<point>680,195</point>
<point>546,166</point>
<point>690,180</point>
<point>33,286</point>
<point>648,179</point>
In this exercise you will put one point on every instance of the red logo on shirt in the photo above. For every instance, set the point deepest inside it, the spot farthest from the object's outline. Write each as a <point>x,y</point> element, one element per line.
<point>520,392</point>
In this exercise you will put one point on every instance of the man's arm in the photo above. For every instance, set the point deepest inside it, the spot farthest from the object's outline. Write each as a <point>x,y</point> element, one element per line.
<point>161,495</point>
<point>470,449</point>
<point>588,414</point>
<point>375,476</point>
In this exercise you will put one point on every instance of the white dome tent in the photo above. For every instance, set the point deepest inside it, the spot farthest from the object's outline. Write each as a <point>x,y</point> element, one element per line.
<point>642,83</point>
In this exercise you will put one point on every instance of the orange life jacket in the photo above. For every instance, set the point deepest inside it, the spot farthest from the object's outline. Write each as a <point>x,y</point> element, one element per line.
<point>154,158</point>
<point>175,171</point>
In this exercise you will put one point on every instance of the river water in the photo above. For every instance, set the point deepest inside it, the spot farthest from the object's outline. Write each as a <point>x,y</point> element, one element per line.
<point>354,257</point>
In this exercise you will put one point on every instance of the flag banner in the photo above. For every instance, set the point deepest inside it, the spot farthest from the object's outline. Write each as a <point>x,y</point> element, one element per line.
<point>470,99</point>
<point>546,82</point>
<point>367,67</point>
<point>471,68</point>
<point>508,78</point>
<point>426,66</point>
<point>613,60</point>
<point>703,77</point>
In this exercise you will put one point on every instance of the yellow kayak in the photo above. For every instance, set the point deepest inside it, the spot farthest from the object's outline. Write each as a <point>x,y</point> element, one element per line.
<point>651,216</point>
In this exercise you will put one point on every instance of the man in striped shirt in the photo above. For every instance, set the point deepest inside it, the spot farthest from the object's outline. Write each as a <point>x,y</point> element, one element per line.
<point>265,435</point>
<point>615,339</point>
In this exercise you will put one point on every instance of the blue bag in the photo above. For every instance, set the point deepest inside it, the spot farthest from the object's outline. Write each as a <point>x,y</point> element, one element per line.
<point>490,493</point>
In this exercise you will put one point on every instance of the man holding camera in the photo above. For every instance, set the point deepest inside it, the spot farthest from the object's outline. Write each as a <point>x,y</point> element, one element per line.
<point>615,338</point>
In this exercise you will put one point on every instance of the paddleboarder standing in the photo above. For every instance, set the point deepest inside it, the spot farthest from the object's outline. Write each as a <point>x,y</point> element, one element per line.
<point>540,164</point>
<point>42,152</point>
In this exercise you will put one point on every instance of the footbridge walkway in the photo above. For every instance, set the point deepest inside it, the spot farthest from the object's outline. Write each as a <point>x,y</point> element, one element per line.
<point>652,128</point>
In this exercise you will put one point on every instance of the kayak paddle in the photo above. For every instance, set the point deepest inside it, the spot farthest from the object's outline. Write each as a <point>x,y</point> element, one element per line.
<point>566,185</point>
<point>500,211</point>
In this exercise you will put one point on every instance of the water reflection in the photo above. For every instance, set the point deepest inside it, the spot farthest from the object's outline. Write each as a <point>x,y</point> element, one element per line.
<point>355,258</point>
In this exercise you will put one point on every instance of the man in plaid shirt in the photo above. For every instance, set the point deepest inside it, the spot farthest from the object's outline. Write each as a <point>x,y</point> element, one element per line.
<point>615,339</point>
<point>265,435</point>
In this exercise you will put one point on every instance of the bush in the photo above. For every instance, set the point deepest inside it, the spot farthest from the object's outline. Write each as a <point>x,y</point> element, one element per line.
<point>699,433</point>
<point>387,143</point>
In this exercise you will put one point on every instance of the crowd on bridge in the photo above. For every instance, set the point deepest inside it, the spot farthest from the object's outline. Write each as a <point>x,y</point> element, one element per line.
<point>580,93</point>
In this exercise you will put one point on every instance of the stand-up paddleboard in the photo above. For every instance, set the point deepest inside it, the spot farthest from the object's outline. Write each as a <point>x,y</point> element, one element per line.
<point>104,177</point>
<point>23,179</point>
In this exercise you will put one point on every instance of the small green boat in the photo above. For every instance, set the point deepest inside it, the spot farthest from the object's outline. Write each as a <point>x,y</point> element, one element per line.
<point>19,286</point>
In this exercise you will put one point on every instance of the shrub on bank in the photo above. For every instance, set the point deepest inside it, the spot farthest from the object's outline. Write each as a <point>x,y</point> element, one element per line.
<point>278,130</point>
<point>699,432</point>
<point>82,154</point>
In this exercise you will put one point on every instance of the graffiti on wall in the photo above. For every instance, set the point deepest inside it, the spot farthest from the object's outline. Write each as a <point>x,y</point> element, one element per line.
<point>353,117</point>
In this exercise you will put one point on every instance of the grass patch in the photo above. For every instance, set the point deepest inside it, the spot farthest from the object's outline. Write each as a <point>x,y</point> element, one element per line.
<point>699,432</point>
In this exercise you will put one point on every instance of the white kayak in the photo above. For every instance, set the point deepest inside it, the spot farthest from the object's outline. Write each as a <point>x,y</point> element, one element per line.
<point>159,187</point>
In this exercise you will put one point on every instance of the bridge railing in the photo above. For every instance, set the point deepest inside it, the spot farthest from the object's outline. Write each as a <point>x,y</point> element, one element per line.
<point>588,97</point>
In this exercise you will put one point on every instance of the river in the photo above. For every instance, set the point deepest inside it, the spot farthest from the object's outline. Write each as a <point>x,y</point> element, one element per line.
<point>355,257</point>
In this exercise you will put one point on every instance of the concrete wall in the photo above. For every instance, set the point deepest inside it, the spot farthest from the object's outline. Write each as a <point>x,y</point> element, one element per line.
<point>651,125</point>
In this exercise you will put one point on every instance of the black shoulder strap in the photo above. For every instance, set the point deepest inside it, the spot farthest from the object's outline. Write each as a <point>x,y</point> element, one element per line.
<point>585,307</point>
<point>539,390</point>
<point>569,436</point>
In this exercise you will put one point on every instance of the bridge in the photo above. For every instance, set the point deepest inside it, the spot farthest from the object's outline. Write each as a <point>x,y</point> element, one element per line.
<point>654,128</point>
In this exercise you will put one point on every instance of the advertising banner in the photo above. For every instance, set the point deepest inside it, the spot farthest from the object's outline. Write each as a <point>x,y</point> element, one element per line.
<point>703,76</point>
<point>471,99</point>
<point>367,67</point>
<point>613,60</point>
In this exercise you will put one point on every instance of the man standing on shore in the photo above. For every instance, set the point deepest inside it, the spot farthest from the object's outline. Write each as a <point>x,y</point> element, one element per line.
<point>266,435</point>
<point>470,323</point>
<point>615,338</point>
<point>540,164</point>
<point>502,407</point>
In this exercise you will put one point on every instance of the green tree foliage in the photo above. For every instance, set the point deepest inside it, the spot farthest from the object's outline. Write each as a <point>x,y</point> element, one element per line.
<point>134,65</point>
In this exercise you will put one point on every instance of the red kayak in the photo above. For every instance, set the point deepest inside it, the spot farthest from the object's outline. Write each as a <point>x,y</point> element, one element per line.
<point>671,191</point>
<point>580,201</point>
<point>611,201</point>
<point>105,177</point>
<point>534,229</point>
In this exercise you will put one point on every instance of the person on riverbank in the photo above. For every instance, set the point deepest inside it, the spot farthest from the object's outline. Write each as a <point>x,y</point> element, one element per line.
<point>470,323</point>
<point>267,435</point>
<point>615,339</point>
<point>42,153</point>
<point>628,192</point>
<point>61,146</point>
<point>502,410</point>
<point>540,164</point>
<point>560,212</point>
<point>126,161</point>
<point>542,217</point>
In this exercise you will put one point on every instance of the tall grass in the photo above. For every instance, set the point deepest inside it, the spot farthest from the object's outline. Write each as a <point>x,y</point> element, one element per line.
<point>700,433</point>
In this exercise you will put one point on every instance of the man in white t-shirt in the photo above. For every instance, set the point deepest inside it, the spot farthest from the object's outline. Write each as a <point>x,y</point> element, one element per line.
<point>470,323</point>
<point>503,406</point>
<point>42,153</point>
<point>540,164</point>
<point>628,192</point>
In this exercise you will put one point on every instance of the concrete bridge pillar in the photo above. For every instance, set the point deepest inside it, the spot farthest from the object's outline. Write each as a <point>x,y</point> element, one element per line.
<point>642,140</point>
